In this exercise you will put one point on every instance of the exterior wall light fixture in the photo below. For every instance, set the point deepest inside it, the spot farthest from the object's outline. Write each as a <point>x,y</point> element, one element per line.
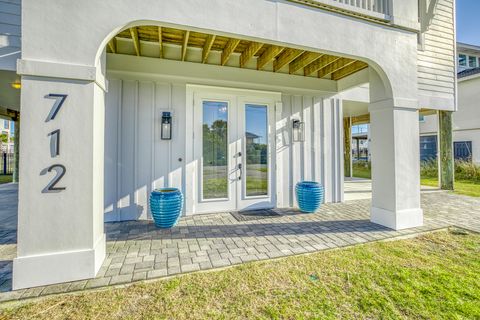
<point>298,131</point>
<point>166,126</point>
<point>16,85</point>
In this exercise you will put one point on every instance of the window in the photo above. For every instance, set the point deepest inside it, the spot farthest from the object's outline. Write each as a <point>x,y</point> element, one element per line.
<point>215,150</point>
<point>428,148</point>
<point>472,62</point>
<point>6,124</point>
<point>421,118</point>
<point>462,150</point>
<point>462,60</point>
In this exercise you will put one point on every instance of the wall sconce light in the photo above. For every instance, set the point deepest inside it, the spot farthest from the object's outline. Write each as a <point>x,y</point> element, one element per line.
<point>16,85</point>
<point>166,126</point>
<point>298,130</point>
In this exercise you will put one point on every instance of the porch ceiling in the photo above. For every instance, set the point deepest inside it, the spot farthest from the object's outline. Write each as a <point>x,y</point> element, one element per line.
<point>184,45</point>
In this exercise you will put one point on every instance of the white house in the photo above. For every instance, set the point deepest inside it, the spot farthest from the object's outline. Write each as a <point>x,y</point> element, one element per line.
<point>466,121</point>
<point>101,78</point>
<point>7,129</point>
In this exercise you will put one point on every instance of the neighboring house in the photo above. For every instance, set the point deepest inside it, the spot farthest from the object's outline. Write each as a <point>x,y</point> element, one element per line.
<point>7,129</point>
<point>360,143</point>
<point>98,78</point>
<point>466,121</point>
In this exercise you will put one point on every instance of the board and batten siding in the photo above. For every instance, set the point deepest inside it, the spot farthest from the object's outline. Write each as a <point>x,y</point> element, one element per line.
<point>137,160</point>
<point>10,33</point>
<point>436,60</point>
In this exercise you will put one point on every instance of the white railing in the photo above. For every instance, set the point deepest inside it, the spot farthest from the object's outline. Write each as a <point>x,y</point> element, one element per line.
<point>378,9</point>
<point>378,6</point>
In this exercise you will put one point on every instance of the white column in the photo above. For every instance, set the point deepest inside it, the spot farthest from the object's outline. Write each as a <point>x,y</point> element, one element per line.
<point>60,231</point>
<point>395,165</point>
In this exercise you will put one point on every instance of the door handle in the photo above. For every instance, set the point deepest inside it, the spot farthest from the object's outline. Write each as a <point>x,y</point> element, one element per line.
<point>240,168</point>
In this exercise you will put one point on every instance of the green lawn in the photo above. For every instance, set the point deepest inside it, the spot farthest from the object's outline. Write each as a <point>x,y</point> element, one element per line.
<point>434,276</point>
<point>5,178</point>
<point>360,170</point>
<point>464,187</point>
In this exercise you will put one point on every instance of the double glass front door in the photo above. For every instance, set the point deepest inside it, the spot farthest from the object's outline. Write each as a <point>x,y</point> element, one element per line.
<point>233,143</point>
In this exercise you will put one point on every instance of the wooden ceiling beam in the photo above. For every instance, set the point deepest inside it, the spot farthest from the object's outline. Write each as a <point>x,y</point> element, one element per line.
<point>268,56</point>
<point>361,119</point>
<point>348,70</point>
<point>185,44</point>
<point>287,56</point>
<point>334,66</point>
<point>112,45</point>
<point>303,60</point>
<point>228,50</point>
<point>319,64</point>
<point>208,47</point>
<point>160,42</point>
<point>249,53</point>
<point>136,42</point>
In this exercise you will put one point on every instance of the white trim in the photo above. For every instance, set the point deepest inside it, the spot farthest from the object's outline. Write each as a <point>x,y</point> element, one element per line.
<point>401,219</point>
<point>61,70</point>
<point>50,268</point>
<point>217,76</point>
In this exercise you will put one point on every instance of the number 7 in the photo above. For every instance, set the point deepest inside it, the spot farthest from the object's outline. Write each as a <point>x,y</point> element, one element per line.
<point>60,99</point>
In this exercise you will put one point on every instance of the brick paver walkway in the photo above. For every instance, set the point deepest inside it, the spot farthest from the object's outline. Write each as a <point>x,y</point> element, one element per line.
<point>137,250</point>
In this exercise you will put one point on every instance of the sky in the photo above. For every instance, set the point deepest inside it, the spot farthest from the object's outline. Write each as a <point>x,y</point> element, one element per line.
<point>468,21</point>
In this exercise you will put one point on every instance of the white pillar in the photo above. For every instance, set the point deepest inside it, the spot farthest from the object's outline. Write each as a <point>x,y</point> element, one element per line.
<point>60,232</point>
<point>395,165</point>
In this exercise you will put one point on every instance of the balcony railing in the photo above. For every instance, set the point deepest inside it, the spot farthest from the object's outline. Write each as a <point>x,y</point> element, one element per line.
<point>379,6</point>
<point>377,9</point>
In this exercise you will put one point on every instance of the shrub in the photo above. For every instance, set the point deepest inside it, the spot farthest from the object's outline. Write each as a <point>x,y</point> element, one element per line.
<point>466,170</point>
<point>429,169</point>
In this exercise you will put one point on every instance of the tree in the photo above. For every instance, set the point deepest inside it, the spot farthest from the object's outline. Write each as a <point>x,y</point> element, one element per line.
<point>3,139</point>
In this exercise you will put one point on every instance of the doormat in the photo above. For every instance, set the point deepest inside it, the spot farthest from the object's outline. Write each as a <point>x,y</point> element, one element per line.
<point>254,215</point>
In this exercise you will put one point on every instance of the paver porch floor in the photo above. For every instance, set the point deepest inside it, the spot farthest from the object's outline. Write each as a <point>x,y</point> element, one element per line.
<point>137,250</point>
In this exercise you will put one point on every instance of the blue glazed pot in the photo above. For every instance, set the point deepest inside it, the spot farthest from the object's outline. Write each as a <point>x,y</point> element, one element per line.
<point>166,206</point>
<point>309,196</point>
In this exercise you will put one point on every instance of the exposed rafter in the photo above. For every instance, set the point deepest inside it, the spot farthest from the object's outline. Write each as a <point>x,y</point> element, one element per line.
<point>112,45</point>
<point>160,42</point>
<point>362,119</point>
<point>268,56</point>
<point>334,66</point>
<point>172,41</point>
<point>303,60</point>
<point>185,44</point>
<point>229,49</point>
<point>348,70</point>
<point>207,47</point>
<point>136,42</point>
<point>287,56</point>
<point>318,64</point>
<point>249,53</point>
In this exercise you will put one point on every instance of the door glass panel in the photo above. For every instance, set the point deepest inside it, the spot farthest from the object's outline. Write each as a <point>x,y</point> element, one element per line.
<point>256,145</point>
<point>215,150</point>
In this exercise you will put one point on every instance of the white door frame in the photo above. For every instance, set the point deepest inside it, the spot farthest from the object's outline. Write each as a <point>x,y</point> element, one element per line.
<point>195,95</point>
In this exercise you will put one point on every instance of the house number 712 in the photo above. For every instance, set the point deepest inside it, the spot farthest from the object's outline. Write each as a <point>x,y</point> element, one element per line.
<point>55,145</point>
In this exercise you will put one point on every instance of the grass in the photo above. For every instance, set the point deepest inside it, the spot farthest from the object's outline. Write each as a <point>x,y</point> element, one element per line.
<point>5,178</point>
<point>464,187</point>
<point>361,170</point>
<point>470,187</point>
<point>434,276</point>
<point>217,188</point>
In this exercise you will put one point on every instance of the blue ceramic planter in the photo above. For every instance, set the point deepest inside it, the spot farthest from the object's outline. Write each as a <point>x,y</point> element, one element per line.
<point>309,196</point>
<point>166,206</point>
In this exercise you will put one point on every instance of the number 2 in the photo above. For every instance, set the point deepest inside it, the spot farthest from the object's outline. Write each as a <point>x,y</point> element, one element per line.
<point>60,170</point>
